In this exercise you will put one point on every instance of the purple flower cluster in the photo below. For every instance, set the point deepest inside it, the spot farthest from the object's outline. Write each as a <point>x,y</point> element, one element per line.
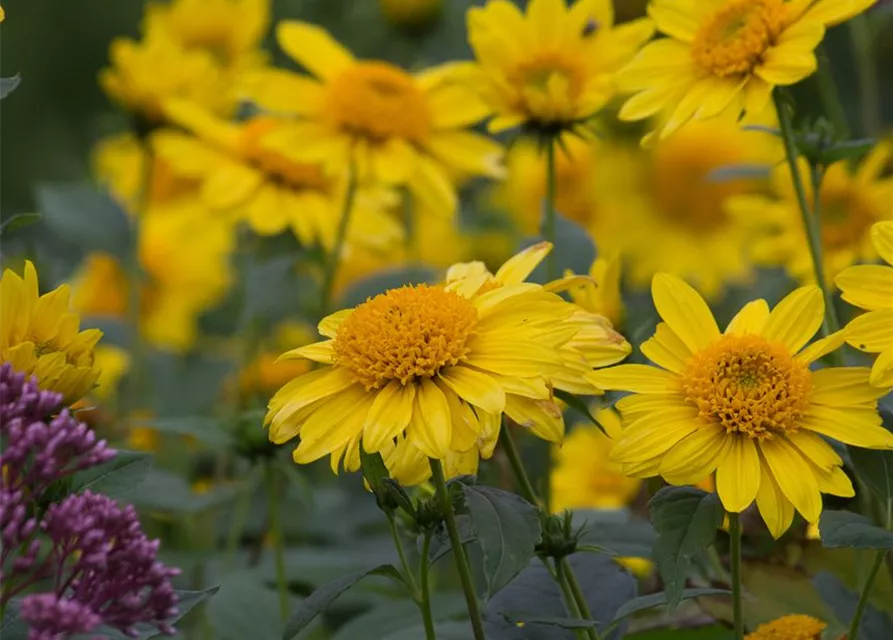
<point>103,568</point>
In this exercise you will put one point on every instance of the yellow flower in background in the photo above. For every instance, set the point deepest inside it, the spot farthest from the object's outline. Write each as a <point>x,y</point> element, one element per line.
<point>552,67</point>
<point>243,175</point>
<point>724,57</point>
<point>851,202</point>
<point>870,287</point>
<point>396,127</point>
<point>584,477</point>
<point>113,363</point>
<point>99,287</point>
<point>266,372</point>
<point>602,294</point>
<point>411,14</point>
<point>2,14</point>
<point>793,627</point>
<point>40,336</point>
<point>744,404</point>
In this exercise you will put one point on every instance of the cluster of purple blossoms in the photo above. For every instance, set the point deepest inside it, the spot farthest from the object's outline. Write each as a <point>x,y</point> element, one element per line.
<point>102,567</point>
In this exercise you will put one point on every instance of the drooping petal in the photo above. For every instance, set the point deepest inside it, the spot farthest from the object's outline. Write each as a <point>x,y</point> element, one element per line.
<point>738,476</point>
<point>389,415</point>
<point>776,509</point>
<point>794,476</point>
<point>697,455</point>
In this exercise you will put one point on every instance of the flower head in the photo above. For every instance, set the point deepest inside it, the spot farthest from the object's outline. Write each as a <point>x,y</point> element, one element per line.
<point>552,67</point>
<point>724,57</point>
<point>40,336</point>
<point>744,404</point>
<point>395,127</point>
<point>850,203</point>
<point>50,617</point>
<point>793,627</point>
<point>870,287</point>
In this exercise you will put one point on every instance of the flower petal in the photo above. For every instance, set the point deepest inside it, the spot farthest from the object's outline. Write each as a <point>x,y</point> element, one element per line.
<point>860,427</point>
<point>474,387</point>
<point>869,286</point>
<point>796,319</point>
<point>696,456</point>
<point>666,349</point>
<point>738,476</point>
<point>389,415</point>
<point>432,427</point>
<point>638,378</point>
<point>843,387</point>
<point>517,268</point>
<point>794,476</point>
<point>750,319</point>
<point>684,310</point>
<point>313,48</point>
<point>776,509</point>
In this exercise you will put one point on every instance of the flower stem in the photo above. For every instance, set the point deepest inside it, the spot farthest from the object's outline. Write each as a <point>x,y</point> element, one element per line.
<point>511,451</point>
<point>866,591</point>
<point>574,609</point>
<point>735,552</point>
<point>276,538</point>
<point>462,566</point>
<point>810,220</point>
<point>866,67</point>
<point>425,604</point>
<point>831,322</point>
<point>331,270</point>
<point>578,597</point>
<point>404,564</point>
<point>829,94</point>
<point>549,222</point>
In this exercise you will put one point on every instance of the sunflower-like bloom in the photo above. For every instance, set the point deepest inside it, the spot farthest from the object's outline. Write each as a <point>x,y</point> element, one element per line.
<point>240,173</point>
<point>40,336</point>
<point>724,57</point>
<point>432,368</point>
<point>870,287</point>
<point>552,67</point>
<point>793,627</point>
<point>744,404</point>
<point>850,203</point>
<point>395,127</point>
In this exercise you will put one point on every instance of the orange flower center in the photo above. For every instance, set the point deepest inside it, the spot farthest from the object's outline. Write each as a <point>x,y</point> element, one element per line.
<point>277,167</point>
<point>847,216</point>
<point>794,627</point>
<point>749,385</point>
<point>734,38</point>
<point>405,334</point>
<point>378,101</point>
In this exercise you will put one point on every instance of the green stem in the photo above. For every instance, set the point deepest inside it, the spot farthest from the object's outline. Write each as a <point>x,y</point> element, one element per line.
<point>866,591</point>
<point>511,451</point>
<point>866,67</point>
<point>578,596</point>
<point>831,323</point>
<point>810,222</point>
<point>572,606</point>
<point>829,94</point>
<point>550,214</point>
<point>474,612</point>
<point>404,563</point>
<point>425,604</point>
<point>240,519</point>
<point>331,270</point>
<point>276,538</point>
<point>735,552</point>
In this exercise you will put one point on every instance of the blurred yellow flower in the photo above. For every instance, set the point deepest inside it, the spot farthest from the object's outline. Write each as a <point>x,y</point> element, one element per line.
<point>40,336</point>
<point>870,287</point>
<point>396,127</point>
<point>241,174</point>
<point>113,363</point>
<point>744,404</point>
<point>2,14</point>
<point>584,477</point>
<point>266,372</point>
<point>553,67</point>
<point>850,203</point>
<point>793,627</point>
<point>411,14</point>
<point>722,58</point>
<point>602,294</point>
<point>100,288</point>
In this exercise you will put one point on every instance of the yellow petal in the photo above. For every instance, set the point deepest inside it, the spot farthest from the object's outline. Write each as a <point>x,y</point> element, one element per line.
<point>314,386</point>
<point>785,66</point>
<point>835,481</point>
<point>860,427</point>
<point>666,349</point>
<point>517,268</point>
<point>776,509</point>
<point>696,456</point>
<point>738,476</point>
<point>317,352</point>
<point>882,371</point>
<point>882,237</point>
<point>796,319</point>
<point>843,387</point>
<point>815,449</point>
<point>821,348</point>
<point>328,326</point>
<point>342,433</point>
<point>751,319</point>
<point>676,18</point>
<point>794,476</point>
<point>638,378</point>
<point>684,310</point>
<point>869,286</point>
<point>652,439</point>
<point>474,387</point>
<point>313,48</point>
<point>389,415</point>
<point>542,417</point>
<point>433,433</point>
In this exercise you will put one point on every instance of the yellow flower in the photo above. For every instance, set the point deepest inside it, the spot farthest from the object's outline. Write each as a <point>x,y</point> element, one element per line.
<point>99,287</point>
<point>240,173</point>
<point>584,477</point>
<point>602,294</point>
<point>871,287</point>
<point>40,336</point>
<point>850,204</point>
<point>113,362</point>
<point>793,627</point>
<point>553,67</point>
<point>724,57</point>
<point>411,14</point>
<point>744,404</point>
<point>2,14</point>
<point>434,365</point>
<point>396,127</point>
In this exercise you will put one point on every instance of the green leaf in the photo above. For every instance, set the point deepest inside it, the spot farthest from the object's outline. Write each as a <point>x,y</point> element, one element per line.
<point>659,599</point>
<point>442,630</point>
<point>440,543</point>
<point>846,150</point>
<point>245,608</point>
<point>522,621</point>
<point>686,520</point>
<point>204,429</point>
<point>875,466</point>
<point>507,528</point>
<point>169,492</point>
<point>320,599</point>
<point>848,529</point>
<point>374,470</point>
<point>579,405</point>
<point>397,616</point>
<point>8,85</point>
<point>18,221</point>
<point>116,477</point>
<point>616,531</point>
<point>876,625</point>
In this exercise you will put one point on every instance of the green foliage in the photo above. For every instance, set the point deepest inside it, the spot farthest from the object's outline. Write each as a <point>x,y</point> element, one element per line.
<point>848,529</point>
<point>18,221</point>
<point>117,477</point>
<point>875,624</point>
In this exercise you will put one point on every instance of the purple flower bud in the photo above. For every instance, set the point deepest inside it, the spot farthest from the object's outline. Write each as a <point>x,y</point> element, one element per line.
<point>54,618</point>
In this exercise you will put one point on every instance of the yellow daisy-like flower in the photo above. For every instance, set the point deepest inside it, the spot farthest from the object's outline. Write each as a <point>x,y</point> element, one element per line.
<point>432,366</point>
<point>870,287</point>
<point>395,127</point>
<point>241,173</point>
<point>793,627</point>
<point>850,203</point>
<point>724,57</point>
<point>40,336</point>
<point>744,404</point>
<point>584,477</point>
<point>553,66</point>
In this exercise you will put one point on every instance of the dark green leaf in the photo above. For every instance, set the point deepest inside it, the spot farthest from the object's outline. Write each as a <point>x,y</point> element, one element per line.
<point>579,405</point>
<point>320,599</point>
<point>507,528</point>
<point>442,630</point>
<point>876,625</point>
<point>374,470</point>
<point>625,536</point>
<point>397,616</point>
<point>169,492</point>
<point>732,172</point>
<point>875,466</point>
<point>204,429</point>
<point>117,477</point>
<point>521,620</point>
<point>846,150</point>
<point>245,608</point>
<point>386,279</point>
<point>18,221</point>
<point>440,543</point>
<point>8,85</point>
<point>686,520</point>
<point>848,529</point>
<point>659,599</point>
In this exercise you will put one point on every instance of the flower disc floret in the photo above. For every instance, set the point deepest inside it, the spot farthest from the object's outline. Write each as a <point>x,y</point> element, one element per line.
<point>748,385</point>
<point>794,627</point>
<point>405,334</point>
<point>734,39</point>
